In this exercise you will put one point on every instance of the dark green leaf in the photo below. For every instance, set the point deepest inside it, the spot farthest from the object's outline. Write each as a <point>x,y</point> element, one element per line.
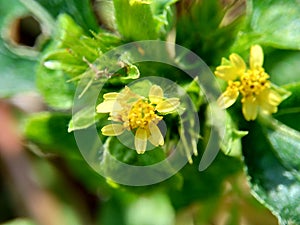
<point>204,185</point>
<point>289,110</point>
<point>275,185</point>
<point>130,156</point>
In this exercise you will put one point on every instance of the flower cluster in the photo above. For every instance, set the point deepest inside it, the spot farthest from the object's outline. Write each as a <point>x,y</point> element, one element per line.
<point>252,83</point>
<point>138,114</point>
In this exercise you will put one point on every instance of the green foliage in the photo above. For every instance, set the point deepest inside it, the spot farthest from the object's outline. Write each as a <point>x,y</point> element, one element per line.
<point>271,151</point>
<point>207,186</point>
<point>81,11</point>
<point>274,184</point>
<point>17,70</point>
<point>75,53</point>
<point>20,222</point>
<point>143,20</point>
<point>283,66</point>
<point>231,144</point>
<point>48,131</point>
<point>271,23</point>
<point>199,29</point>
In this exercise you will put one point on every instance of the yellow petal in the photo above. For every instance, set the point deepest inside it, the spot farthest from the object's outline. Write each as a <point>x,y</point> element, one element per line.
<point>238,63</point>
<point>140,140</point>
<point>270,96</point>
<point>168,105</point>
<point>226,72</point>
<point>249,109</point>
<point>156,94</point>
<point>155,137</point>
<point>268,108</point>
<point>256,57</point>
<point>110,96</point>
<point>274,98</point>
<point>269,100</point>
<point>112,129</point>
<point>226,100</point>
<point>108,106</point>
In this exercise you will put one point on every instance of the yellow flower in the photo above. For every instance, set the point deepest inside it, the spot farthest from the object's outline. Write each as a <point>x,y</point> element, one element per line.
<point>252,83</point>
<point>138,114</point>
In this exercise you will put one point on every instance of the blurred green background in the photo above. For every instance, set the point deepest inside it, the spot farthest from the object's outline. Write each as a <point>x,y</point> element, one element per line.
<point>44,180</point>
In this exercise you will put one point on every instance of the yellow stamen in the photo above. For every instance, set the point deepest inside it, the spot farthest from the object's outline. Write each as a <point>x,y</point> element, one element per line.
<point>253,82</point>
<point>141,114</point>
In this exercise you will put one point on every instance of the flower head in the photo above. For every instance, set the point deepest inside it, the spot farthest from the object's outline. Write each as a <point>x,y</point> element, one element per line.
<point>136,113</point>
<point>252,83</point>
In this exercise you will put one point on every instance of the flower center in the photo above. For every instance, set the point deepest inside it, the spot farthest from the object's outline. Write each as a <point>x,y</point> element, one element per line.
<point>253,82</point>
<point>141,114</point>
<point>233,88</point>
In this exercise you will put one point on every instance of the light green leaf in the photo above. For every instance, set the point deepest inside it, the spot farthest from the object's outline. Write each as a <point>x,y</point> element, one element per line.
<point>53,85</point>
<point>142,20</point>
<point>17,72</point>
<point>49,132</point>
<point>20,222</point>
<point>285,142</point>
<point>81,11</point>
<point>84,118</point>
<point>273,23</point>
<point>132,72</point>
<point>141,211</point>
<point>283,66</point>
<point>231,143</point>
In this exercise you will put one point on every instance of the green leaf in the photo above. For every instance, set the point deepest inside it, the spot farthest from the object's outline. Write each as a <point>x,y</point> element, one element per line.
<point>119,150</point>
<point>284,139</point>
<point>231,143</point>
<point>142,210</point>
<point>70,55</point>
<point>20,222</point>
<point>49,132</point>
<point>207,184</point>
<point>142,19</point>
<point>272,155</point>
<point>17,71</point>
<point>285,142</point>
<point>53,85</point>
<point>289,110</point>
<point>271,23</point>
<point>84,118</point>
<point>199,29</point>
<point>130,156</point>
<point>80,10</point>
<point>275,185</point>
<point>71,49</point>
<point>283,66</point>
